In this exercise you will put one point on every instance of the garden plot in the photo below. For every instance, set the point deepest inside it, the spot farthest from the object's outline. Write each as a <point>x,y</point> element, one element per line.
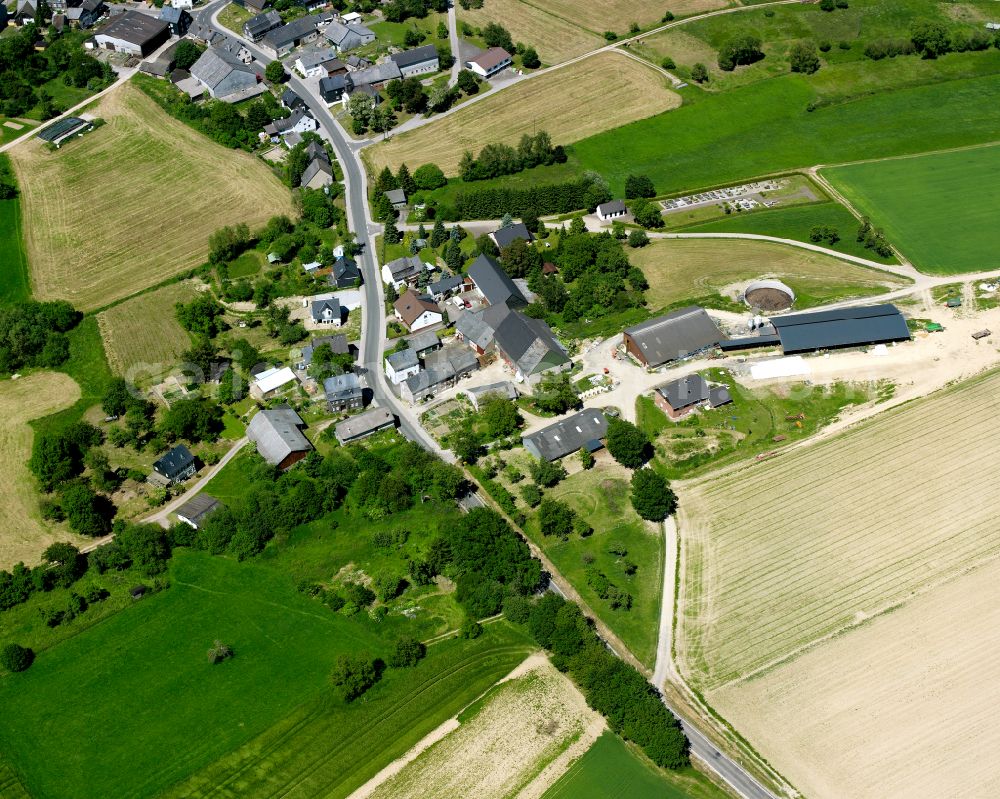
<point>519,738</point>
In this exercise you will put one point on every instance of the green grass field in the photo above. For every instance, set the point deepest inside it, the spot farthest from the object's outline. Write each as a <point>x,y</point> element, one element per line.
<point>601,496</point>
<point>327,749</point>
<point>939,209</point>
<point>611,769</point>
<point>14,282</point>
<point>766,128</point>
<point>795,223</point>
<point>709,439</point>
<point>132,705</point>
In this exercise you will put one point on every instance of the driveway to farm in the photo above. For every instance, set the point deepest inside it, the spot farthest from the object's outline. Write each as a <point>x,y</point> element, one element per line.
<point>124,74</point>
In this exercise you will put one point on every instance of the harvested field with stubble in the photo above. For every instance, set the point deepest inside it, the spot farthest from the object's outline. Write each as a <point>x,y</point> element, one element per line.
<point>899,708</point>
<point>617,15</point>
<point>594,95</point>
<point>23,534</point>
<point>555,39</point>
<point>517,741</point>
<point>132,203</point>
<point>782,556</point>
<point>143,335</point>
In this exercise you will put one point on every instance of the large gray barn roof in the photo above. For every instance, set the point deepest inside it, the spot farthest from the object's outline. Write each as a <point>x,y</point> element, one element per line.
<point>845,327</point>
<point>569,435</point>
<point>415,56</point>
<point>276,434</point>
<point>676,335</point>
<point>495,285</point>
<point>215,65</point>
<point>134,27</point>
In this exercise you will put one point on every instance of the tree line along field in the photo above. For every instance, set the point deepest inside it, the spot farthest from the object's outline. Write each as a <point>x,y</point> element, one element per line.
<point>681,271</point>
<point>766,128</point>
<point>142,334</point>
<point>596,94</point>
<point>25,535</point>
<point>114,212</point>
<point>782,555</point>
<point>939,209</point>
<point>897,708</point>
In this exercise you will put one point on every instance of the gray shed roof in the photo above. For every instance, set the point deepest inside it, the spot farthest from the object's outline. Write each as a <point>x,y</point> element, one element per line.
<point>277,435</point>
<point>567,436</point>
<point>364,424</point>
<point>379,73</point>
<point>676,335</point>
<point>845,327</point>
<point>503,389</point>
<point>405,267</point>
<point>495,284</point>
<point>338,344</point>
<point>445,284</point>
<point>262,23</point>
<point>458,359</point>
<point>425,340</point>
<point>198,508</point>
<point>396,196</point>
<point>418,55</point>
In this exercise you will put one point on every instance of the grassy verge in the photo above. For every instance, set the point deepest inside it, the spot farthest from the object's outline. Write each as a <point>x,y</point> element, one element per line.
<point>233,17</point>
<point>795,223</point>
<point>15,284</point>
<point>613,768</point>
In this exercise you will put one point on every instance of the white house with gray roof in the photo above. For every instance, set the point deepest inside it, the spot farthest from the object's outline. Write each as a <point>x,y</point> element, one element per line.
<point>401,365</point>
<point>278,436</point>
<point>418,61</point>
<point>326,312</point>
<point>364,425</point>
<point>312,63</point>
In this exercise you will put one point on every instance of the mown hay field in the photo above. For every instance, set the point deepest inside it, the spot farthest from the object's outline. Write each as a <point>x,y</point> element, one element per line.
<point>142,335</point>
<point>782,555</point>
<point>133,202</point>
<point>503,746</point>
<point>23,534</point>
<point>938,209</point>
<point>899,708</point>
<point>617,15</point>
<point>594,95</point>
<point>688,270</point>
<point>555,39</point>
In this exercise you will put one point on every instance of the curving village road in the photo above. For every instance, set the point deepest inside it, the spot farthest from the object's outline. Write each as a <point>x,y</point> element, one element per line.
<point>373,341</point>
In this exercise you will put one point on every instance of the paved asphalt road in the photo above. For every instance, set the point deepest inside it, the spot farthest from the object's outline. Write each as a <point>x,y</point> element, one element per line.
<point>371,352</point>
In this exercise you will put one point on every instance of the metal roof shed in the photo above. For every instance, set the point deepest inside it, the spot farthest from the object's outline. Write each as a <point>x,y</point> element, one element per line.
<point>842,327</point>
